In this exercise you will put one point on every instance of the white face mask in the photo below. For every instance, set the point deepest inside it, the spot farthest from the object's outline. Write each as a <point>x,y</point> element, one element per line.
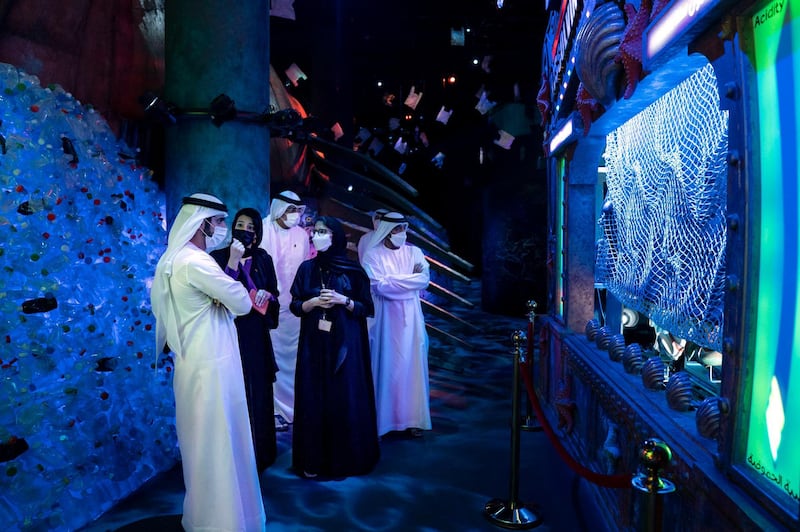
<point>291,218</point>
<point>398,239</point>
<point>321,242</point>
<point>216,238</point>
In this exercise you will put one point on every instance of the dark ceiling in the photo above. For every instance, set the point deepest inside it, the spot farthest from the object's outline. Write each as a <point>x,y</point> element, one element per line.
<point>108,53</point>
<point>408,43</point>
<point>401,43</point>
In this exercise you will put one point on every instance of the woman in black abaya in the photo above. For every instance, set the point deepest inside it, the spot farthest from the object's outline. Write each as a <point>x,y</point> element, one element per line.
<point>257,273</point>
<point>335,432</point>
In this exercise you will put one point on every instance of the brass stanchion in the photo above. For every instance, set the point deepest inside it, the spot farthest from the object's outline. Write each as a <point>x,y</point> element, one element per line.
<point>654,455</point>
<point>529,421</point>
<point>512,513</point>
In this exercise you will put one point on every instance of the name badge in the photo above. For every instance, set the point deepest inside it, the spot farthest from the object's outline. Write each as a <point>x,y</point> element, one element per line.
<point>325,325</point>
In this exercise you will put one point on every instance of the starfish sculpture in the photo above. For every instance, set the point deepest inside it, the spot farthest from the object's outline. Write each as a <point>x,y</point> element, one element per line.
<point>630,49</point>
<point>587,107</point>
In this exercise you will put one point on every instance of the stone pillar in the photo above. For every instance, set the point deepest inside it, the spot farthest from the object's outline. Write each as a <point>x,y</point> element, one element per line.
<point>580,238</point>
<point>214,47</point>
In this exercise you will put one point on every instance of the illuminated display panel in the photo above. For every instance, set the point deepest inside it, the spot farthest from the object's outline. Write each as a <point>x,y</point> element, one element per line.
<point>559,232</point>
<point>562,44</point>
<point>564,134</point>
<point>673,22</point>
<point>773,428</point>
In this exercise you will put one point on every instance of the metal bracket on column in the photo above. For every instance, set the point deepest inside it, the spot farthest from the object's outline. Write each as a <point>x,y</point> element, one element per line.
<point>285,123</point>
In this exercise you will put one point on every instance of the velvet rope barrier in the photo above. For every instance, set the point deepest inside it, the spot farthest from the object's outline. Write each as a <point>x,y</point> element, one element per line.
<point>605,481</point>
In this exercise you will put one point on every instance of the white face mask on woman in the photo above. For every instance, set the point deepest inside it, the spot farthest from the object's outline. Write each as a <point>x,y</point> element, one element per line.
<point>321,242</point>
<point>398,239</point>
<point>216,238</point>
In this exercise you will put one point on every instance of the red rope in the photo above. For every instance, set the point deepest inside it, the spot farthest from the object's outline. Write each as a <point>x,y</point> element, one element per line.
<point>606,481</point>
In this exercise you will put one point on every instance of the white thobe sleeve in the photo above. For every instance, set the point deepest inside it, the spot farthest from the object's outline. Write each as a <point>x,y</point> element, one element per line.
<point>206,275</point>
<point>389,281</point>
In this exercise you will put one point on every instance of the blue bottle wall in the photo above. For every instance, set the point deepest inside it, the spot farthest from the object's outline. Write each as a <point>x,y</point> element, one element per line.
<point>86,412</point>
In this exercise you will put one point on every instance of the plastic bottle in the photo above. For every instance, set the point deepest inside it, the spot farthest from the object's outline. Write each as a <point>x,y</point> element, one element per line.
<point>40,304</point>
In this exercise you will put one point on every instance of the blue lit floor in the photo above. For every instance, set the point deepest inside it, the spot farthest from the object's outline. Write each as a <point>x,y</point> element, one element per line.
<point>439,482</point>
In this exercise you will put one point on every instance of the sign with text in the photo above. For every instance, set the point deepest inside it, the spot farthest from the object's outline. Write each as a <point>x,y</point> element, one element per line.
<point>772,427</point>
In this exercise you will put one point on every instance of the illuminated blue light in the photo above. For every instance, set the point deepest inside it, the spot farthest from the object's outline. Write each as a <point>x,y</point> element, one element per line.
<point>672,22</point>
<point>561,136</point>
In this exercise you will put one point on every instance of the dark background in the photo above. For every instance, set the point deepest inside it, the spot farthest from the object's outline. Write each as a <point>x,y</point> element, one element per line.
<point>109,53</point>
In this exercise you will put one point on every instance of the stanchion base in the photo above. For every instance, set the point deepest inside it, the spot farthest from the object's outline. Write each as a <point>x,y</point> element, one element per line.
<point>507,515</point>
<point>530,424</point>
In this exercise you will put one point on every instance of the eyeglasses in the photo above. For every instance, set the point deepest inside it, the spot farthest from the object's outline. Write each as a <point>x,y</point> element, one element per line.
<point>321,231</point>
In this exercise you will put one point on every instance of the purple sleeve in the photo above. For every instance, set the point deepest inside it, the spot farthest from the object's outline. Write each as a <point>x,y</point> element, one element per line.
<point>233,274</point>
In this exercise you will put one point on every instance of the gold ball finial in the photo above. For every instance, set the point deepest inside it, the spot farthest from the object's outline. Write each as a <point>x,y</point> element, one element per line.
<point>519,338</point>
<point>654,456</point>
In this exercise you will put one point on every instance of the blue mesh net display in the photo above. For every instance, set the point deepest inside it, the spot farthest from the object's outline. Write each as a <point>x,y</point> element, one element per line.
<point>662,250</point>
<point>84,417</point>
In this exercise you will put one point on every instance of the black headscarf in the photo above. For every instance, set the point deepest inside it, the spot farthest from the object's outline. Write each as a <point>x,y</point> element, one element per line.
<point>335,257</point>
<point>257,225</point>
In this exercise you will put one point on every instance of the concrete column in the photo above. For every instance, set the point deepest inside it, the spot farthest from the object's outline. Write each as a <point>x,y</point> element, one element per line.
<point>581,223</point>
<point>213,47</point>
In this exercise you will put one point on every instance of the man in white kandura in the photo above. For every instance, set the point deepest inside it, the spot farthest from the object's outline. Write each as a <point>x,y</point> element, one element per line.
<point>398,339</point>
<point>366,237</point>
<point>287,244</point>
<point>194,303</point>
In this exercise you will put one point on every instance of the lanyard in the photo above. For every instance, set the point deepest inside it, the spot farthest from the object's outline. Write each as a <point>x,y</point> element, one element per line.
<point>324,324</point>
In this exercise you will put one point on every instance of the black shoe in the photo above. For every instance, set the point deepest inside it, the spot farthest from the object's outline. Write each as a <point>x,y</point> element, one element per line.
<point>414,432</point>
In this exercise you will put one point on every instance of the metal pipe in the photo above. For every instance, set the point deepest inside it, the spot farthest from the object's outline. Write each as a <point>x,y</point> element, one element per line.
<point>447,336</point>
<point>427,305</point>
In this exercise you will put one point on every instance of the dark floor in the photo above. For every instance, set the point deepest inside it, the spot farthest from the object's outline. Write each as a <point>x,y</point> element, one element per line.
<point>440,482</point>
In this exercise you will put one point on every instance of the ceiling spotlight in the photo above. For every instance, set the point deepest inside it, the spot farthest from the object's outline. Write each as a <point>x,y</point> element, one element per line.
<point>222,109</point>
